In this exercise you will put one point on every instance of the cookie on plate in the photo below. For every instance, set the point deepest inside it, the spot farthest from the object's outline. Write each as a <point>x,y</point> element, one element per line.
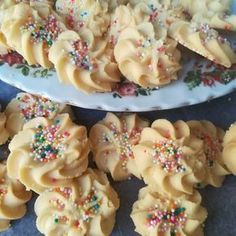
<point>147,58</point>
<point>215,13</point>
<point>13,197</point>
<point>212,138</point>
<point>90,14</point>
<point>229,150</point>
<point>4,134</point>
<point>204,41</point>
<point>168,158</point>
<point>25,107</point>
<point>86,206</point>
<point>156,215</point>
<point>30,33</point>
<point>84,61</point>
<point>112,140</point>
<point>48,153</point>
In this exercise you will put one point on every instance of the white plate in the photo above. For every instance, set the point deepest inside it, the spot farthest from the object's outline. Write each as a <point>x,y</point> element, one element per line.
<point>44,82</point>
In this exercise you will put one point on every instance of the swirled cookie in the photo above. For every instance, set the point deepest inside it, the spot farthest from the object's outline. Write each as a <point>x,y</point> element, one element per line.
<point>122,17</point>
<point>30,34</point>
<point>212,138</point>
<point>229,150</point>
<point>89,14</point>
<point>83,61</point>
<point>211,12</point>
<point>86,206</point>
<point>168,158</point>
<point>13,197</point>
<point>204,41</point>
<point>157,215</point>
<point>210,6</point>
<point>48,153</point>
<point>4,134</point>
<point>145,59</point>
<point>112,140</point>
<point>25,107</point>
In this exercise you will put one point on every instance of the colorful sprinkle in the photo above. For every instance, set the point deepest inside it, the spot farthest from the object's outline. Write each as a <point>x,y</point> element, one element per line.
<point>170,219</point>
<point>154,13</point>
<point>73,10</point>
<point>34,106</point>
<point>80,55</point>
<point>123,141</point>
<point>87,207</point>
<point>212,147</point>
<point>169,156</point>
<point>48,143</point>
<point>45,31</point>
<point>64,191</point>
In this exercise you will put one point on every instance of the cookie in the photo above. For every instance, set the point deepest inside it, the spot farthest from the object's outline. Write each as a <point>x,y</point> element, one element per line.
<point>212,138</point>
<point>86,206</point>
<point>154,214</point>
<point>13,197</point>
<point>48,153</point>
<point>112,140</point>
<point>25,107</point>
<point>168,158</point>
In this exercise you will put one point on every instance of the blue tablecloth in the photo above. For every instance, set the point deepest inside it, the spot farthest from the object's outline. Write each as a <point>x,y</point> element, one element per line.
<point>220,203</point>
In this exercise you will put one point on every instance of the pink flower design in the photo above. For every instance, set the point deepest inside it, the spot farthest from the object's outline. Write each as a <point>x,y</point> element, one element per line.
<point>208,81</point>
<point>126,89</point>
<point>12,58</point>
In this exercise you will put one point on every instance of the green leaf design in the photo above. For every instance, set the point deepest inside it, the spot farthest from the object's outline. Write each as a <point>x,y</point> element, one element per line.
<point>115,95</point>
<point>37,73</point>
<point>44,73</point>
<point>25,71</point>
<point>143,92</point>
<point>193,79</point>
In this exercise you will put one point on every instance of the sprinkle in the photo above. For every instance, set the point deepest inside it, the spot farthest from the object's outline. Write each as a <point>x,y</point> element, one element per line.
<point>48,143</point>
<point>34,106</point>
<point>64,191</point>
<point>45,31</point>
<point>170,219</point>
<point>60,219</point>
<point>145,46</point>
<point>123,140</point>
<point>168,155</point>
<point>212,147</point>
<point>80,55</point>
<point>57,203</point>
<point>85,209</point>
<point>3,191</point>
<point>154,13</point>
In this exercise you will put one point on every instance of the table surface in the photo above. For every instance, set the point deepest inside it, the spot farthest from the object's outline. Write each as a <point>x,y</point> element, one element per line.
<point>220,203</point>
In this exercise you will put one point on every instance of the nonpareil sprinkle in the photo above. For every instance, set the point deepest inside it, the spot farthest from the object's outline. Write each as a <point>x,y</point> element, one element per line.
<point>48,143</point>
<point>45,31</point>
<point>34,106</point>
<point>80,55</point>
<point>123,140</point>
<point>168,155</point>
<point>170,219</point>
